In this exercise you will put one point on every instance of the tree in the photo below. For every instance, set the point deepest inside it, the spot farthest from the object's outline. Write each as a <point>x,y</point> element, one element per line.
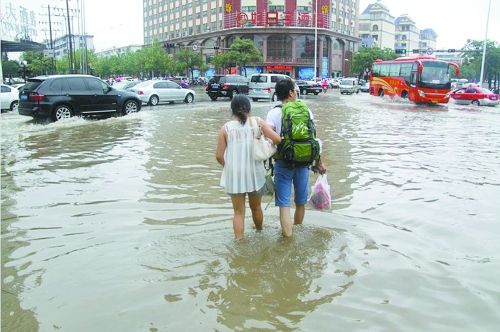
<point>364,58</point>
<point>10,68</point>
<point>471,69</point>
<point>38,64</point>
<point>188,60</point>
<point>155,59</point>
<point>243,52</point>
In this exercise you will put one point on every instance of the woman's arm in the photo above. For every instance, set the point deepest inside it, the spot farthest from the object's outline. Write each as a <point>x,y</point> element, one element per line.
<point>221,146</point>
<point>268,131</point>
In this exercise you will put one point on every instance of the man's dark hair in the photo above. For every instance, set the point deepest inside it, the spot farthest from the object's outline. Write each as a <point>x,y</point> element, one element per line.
<point>283,88</point>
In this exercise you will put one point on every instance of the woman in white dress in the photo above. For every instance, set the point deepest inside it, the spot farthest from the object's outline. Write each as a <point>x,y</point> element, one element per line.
<point>242,174</point>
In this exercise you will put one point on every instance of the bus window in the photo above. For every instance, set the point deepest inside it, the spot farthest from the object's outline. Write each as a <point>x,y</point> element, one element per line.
<point>406,71</point>
<point>376,71</point>
<point>394,69</point>
<point>384,70</point>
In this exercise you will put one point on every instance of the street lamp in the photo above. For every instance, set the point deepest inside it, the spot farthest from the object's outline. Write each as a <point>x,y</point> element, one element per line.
<point>484,46</point>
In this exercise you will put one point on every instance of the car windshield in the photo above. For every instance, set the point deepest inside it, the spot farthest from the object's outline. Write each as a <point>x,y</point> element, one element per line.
<point>435,75</point>
<point>483,90</point>
<point>347,82</point>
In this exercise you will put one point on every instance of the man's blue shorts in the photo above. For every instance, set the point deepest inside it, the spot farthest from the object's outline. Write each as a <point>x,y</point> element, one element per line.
<point>284,176</point>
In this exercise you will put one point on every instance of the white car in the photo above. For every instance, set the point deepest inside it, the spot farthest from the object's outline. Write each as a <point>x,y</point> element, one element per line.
<point>262,86</point>
<point>162,91</point>
<point>9,98</point>
<point>349,85</point>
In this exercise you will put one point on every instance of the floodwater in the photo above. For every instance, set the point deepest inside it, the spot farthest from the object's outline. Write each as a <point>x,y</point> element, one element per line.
<point>119,225</point>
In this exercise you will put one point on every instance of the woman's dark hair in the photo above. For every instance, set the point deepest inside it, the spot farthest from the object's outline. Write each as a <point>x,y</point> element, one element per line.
<point>283,88</point>
<point>240,106</point>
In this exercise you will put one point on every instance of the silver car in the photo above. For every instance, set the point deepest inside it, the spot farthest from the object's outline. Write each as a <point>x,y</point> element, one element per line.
<point>162,91</point>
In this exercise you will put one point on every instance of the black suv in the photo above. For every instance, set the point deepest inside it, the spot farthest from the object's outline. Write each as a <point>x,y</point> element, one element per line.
<point>226,86</point>
<point>63,96</point>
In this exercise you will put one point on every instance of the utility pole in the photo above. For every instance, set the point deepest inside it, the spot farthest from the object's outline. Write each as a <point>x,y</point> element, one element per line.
<point>53,69</point>
<point>70,40</point>
<point>484,45</point>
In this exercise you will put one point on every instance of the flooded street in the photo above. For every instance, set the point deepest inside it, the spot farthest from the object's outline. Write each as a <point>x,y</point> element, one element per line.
<point>120,224</point>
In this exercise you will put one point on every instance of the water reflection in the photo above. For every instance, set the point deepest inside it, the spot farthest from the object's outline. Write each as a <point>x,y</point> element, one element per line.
<point>271,284</point>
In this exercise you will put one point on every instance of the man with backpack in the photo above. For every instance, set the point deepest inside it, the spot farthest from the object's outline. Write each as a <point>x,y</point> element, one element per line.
<point>299,149</point>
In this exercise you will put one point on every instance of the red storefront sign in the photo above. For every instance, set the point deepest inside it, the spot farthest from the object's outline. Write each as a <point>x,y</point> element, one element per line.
<point>279,67</point>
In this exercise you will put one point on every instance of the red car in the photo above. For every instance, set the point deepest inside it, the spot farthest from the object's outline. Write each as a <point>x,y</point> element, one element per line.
<point>475,95</point>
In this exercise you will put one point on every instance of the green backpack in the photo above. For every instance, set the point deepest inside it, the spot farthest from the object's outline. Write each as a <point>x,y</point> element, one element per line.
<point>298,146</point>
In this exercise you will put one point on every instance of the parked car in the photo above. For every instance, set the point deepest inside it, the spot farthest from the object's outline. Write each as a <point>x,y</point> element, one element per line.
<point>306,87</point>
<point>226,86</point>
<point>9,98</point>
<point>154,92</point>
<point>64,96</point>
<point>262,86</point>
<point>125,85</point>
<point>475,95</point>
<point>365,87</point>
<point>349,86</point>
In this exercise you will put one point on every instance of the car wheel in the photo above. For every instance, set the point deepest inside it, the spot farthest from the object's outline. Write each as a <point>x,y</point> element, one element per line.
<point>154,100</point>
<point>381,92</point>
<point>14,105</point>
<point>273,97</point>
<point>255,99</point>
<point>476,102</point>
<point>316,93</point>
<point>404,95</point>
<point>357,91</point>
<point>213,97</point>
<point>130,106</point>
<point>189,98</point>
<point>62,112</point>
<point>231,94</point>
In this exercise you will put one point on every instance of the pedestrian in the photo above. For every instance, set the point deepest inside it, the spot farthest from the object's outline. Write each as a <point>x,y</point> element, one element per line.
<point>287,174</point>
<point>242,175</point>
<point>324,85</point>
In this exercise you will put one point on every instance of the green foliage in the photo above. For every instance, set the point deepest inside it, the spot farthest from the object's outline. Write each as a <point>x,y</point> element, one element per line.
<point>10,68</point>
<point>243,52</point>
<point>364,58</point>
<point>471,68</point>
<point>188,60</point>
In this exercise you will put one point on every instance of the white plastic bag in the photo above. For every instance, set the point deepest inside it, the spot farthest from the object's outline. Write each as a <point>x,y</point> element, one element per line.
<point>321,198</point>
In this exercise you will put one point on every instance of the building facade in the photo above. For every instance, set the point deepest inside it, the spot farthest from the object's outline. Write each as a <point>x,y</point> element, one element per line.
<point>79,42</point>
<point>407,34</point>
<point>376,27</point>
<point>428,39</point>
<point>284,30</point>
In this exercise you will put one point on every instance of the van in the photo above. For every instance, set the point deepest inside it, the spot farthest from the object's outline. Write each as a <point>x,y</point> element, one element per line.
<point>262,86</point>
<point>349,85</point>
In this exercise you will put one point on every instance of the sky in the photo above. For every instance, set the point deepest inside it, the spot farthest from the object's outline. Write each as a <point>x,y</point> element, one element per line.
<point>120,22</point>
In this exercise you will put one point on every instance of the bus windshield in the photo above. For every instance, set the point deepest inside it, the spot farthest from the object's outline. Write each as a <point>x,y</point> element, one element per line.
<point>435,75</point>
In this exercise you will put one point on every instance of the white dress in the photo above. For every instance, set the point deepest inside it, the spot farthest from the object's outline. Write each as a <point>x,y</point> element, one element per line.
<point>241,173</point>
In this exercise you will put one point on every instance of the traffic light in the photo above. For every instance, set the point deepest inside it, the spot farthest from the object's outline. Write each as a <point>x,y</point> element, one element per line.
<point>416,51</point>
<point>400,51</point>
<point>216,47</point>
<point>451,50</point>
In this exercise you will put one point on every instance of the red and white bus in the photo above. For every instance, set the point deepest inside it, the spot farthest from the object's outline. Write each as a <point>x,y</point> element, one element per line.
<point>421,79</point>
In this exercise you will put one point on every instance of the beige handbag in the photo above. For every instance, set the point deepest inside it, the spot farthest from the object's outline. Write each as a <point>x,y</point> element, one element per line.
<point>263,147</point>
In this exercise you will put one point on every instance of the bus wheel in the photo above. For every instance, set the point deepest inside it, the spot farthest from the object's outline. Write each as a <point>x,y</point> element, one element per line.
<point>381,92</point>
<point>404,94</point>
